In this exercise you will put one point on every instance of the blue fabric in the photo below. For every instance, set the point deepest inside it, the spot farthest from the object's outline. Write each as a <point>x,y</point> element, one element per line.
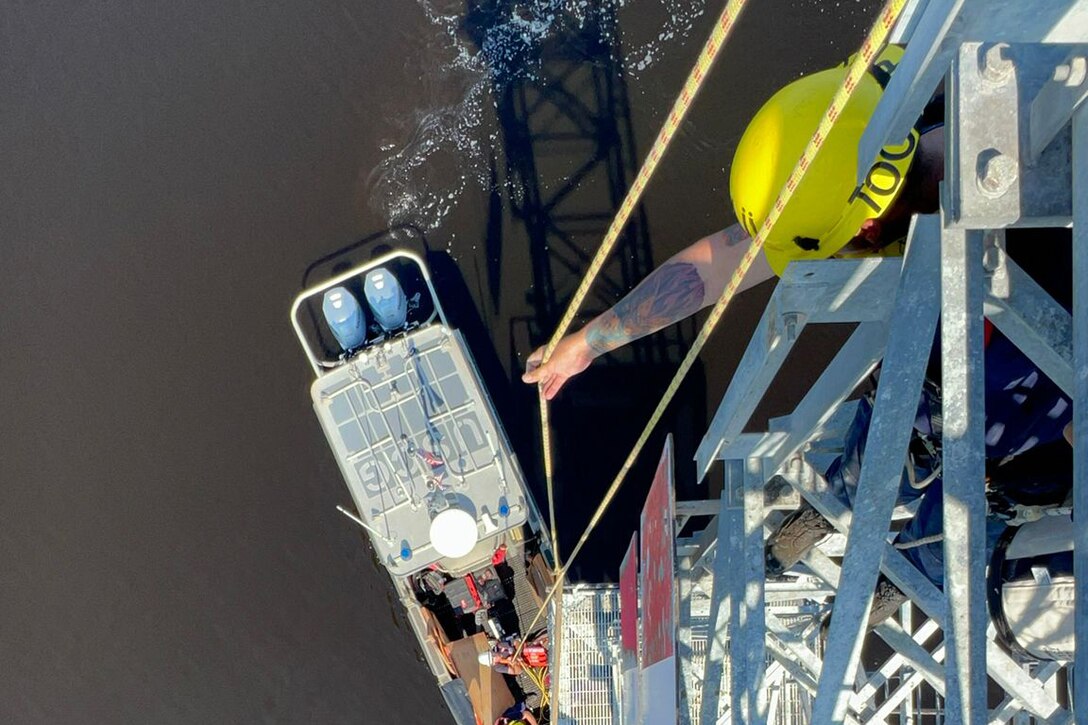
<point>929,521</point>
<point>1024,408</point>
<point>1026,456</point>
<point>845,471</point>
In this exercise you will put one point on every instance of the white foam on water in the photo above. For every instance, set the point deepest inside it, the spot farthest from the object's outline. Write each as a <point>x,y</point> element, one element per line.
<point>447,147</point>
<point>680,18</point>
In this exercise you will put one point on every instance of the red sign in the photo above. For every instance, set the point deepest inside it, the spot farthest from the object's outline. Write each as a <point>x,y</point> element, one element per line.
<point>658,582</point>
<point>629,599</point>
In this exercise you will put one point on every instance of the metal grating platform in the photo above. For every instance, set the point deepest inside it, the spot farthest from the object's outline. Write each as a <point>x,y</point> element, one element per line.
<point>588,671</point>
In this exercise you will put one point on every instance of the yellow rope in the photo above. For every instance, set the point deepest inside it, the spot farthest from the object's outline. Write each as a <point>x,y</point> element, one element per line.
<point>546,438</point>
<point>874,41</point>
<point>680,107</point>
<point>537,675</point>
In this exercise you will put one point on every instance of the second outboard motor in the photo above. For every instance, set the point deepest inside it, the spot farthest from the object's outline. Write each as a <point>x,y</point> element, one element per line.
<point>386,299</point>
<point>345,317</point>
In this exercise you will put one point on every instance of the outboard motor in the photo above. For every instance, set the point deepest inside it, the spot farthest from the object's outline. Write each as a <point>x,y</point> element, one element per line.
<point>386,299</point>
<point>345,317</point>
<point>1032,589</point>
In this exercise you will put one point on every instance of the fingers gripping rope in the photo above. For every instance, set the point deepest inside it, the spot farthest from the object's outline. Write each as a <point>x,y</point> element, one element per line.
<point>874,41</point>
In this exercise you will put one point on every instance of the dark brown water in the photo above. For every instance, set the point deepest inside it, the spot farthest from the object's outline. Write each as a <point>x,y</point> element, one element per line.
<point>169,547</point>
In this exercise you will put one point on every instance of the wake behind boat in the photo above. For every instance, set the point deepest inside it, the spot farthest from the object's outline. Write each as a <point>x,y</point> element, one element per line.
<point>435,483</point>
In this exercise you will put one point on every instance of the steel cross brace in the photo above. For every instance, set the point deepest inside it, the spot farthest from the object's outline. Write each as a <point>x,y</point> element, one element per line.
<point>849,367</point>
<point>909,345</point>
<point>803,657</point>
<point>1010,705</point>
<point>1004,671</point>
<point>1032,320</point>
<point>809,292</point>
<point>814,412</point>
<point>922,592</point>
<point>902,692</point>
<point>1001,668</point>
<point>782,655</point>
<point>801,674</point>
<point>1080,400</point>
<point>905,645</point>
<point>895,664</point>
<point>817,410</point>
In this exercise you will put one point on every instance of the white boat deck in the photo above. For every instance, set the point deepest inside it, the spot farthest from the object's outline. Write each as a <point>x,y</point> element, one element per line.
<point>411,427</point>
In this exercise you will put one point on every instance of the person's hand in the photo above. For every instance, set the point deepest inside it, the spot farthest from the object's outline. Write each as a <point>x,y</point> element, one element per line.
<point>572,355</point>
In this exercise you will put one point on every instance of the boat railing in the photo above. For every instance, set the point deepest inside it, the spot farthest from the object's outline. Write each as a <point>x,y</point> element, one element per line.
<point>318,360</point>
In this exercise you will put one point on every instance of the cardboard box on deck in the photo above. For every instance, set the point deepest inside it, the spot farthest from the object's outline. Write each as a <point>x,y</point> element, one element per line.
<point>487,689</point>
<point>540,579</point>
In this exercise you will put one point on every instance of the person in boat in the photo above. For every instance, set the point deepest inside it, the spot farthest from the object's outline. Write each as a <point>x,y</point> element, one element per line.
<point>1025,411</point>
<point>519,714</point>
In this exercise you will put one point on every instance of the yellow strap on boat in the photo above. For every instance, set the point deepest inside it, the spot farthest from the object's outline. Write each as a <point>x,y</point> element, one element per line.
<point>874,42</point>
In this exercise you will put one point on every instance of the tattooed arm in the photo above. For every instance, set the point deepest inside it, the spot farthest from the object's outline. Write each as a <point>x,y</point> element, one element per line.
<point>689,281</point>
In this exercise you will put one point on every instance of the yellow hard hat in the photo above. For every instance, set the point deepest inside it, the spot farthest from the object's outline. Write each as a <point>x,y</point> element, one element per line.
<point>828,207</point>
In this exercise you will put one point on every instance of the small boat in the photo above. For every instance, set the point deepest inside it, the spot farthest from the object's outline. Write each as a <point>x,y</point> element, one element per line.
<point>435,484</point>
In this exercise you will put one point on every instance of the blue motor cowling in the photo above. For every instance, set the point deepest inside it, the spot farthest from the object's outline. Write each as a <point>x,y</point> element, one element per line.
<point>386,299</point>
<point>345,317</point>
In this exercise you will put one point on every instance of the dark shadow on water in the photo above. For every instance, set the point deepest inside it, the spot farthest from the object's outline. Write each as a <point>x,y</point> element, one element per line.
<point>493,240</point>
<point>568,147</point>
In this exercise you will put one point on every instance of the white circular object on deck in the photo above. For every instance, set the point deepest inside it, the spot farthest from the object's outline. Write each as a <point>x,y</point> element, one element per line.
<point>454,533</point>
